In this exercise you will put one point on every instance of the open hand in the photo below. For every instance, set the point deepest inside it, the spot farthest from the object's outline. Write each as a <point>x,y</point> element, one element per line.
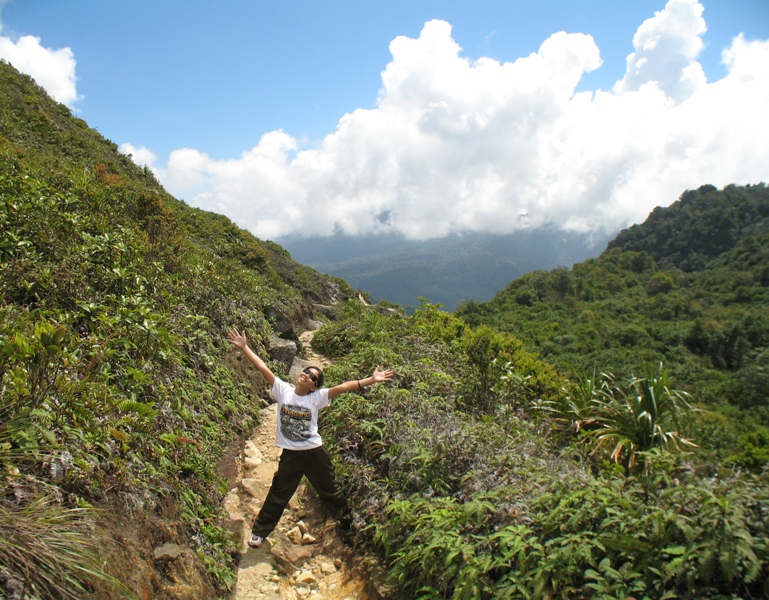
<point>238,339</point>
<point>382,375</point>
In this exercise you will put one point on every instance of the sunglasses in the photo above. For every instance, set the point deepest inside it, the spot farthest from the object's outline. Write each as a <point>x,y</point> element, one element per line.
<point>310,374</point>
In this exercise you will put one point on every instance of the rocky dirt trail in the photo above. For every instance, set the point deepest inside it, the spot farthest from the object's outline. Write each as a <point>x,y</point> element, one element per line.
<point>304,557</point>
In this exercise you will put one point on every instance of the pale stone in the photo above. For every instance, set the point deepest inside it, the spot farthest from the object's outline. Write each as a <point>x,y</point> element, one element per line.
<point>251,462</point>
<point>302,527</point>
<point>253,487</point>
<point>327,567</point>
<point>306,577</point>
<point>308,538</point>
<point>295,535</point>
<point>251,449</point>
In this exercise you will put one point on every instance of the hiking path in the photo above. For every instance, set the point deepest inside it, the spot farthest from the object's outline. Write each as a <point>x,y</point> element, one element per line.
<point>304,557</point>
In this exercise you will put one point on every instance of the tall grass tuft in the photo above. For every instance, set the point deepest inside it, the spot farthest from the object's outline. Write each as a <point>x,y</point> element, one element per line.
<point>54,552</point>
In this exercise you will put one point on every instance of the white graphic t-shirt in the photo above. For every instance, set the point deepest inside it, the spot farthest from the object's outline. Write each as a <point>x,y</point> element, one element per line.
<point>298,416</point>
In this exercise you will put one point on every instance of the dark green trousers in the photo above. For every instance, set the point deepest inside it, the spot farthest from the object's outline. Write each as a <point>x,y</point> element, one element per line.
<point>316,465</point>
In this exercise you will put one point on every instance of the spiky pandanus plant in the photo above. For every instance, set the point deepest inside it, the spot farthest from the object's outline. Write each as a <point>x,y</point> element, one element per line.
<point>638,415</point>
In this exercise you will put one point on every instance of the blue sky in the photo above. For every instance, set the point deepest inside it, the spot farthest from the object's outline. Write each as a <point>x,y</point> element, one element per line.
<point>269,112</point>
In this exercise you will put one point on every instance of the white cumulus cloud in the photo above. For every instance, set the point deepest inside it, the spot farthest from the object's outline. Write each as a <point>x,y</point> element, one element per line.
<point>53,70</point>
<point>470,145</point>
<point>141,156</point>
<point>666,50</point>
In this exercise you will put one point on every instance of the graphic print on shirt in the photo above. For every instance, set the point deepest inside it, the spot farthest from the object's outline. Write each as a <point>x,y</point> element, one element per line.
<point>295,422</point>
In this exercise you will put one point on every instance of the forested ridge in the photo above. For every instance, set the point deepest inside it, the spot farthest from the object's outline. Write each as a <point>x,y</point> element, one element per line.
<point>492,466</point>
<point>688,288</point>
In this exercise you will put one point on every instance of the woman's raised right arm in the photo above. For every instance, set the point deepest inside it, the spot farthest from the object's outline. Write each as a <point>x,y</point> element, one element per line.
<point>239,340</point>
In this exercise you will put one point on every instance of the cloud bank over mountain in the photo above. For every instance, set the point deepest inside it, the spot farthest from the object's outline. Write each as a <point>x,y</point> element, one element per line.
<point>461,145</point>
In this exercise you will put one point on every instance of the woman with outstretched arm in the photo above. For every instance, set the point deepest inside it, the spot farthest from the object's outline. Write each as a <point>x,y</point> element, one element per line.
<point>297,434</point>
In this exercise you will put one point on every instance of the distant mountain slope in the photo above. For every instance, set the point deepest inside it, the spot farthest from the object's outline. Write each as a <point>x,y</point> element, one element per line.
<point>689,287</point>
<point>445,270</point>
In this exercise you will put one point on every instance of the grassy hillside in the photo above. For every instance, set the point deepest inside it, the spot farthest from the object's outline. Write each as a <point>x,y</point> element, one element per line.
<point>688,288</point>
<point>118,390</point>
